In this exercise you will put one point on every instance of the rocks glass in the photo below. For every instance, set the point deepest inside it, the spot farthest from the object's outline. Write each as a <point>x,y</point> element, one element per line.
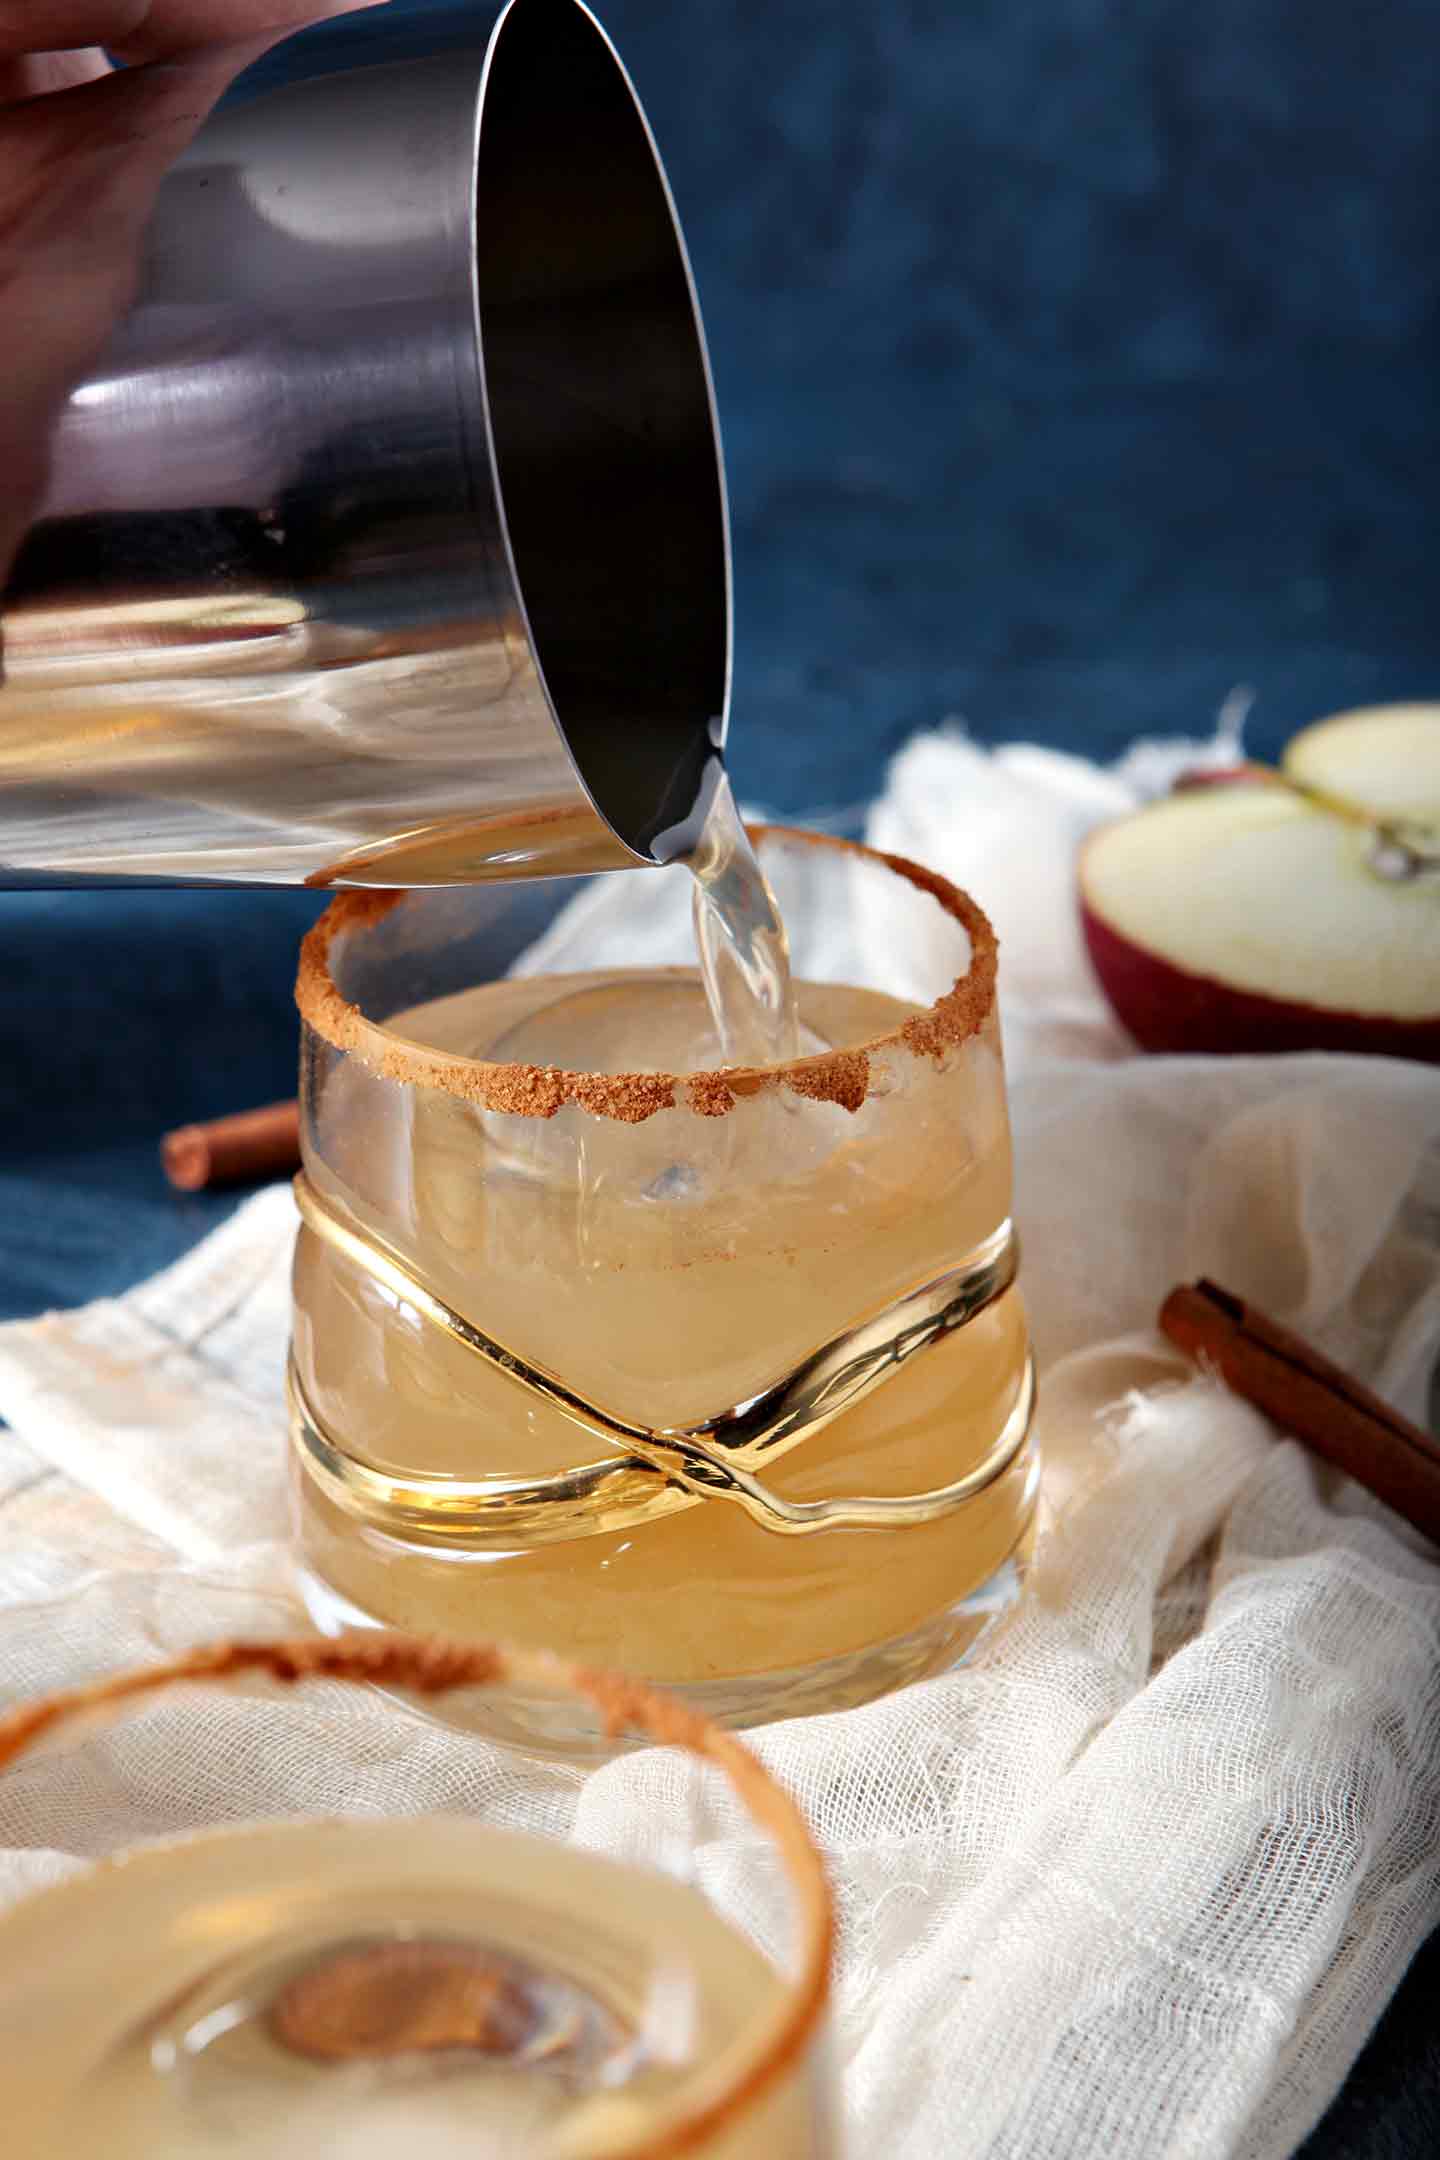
<point>719,1375</point>
<point>372,1984</point>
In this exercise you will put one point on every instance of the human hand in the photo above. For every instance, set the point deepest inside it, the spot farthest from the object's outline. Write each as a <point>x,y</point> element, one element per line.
<point>83,149</point>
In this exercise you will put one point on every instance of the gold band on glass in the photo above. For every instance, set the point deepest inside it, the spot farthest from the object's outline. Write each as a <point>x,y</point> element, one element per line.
<point>657,1470</point>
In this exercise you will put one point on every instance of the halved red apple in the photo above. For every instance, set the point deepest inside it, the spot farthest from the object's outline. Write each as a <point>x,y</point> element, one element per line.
<point>1274,914</point>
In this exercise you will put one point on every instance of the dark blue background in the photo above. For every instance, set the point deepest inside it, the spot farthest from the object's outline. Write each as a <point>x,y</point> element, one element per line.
<point>1076,360</point>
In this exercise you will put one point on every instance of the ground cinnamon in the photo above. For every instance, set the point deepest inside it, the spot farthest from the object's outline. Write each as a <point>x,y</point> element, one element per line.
<point>842,1076</point>
<point>1310,1398</point>
<point>240,1150</point>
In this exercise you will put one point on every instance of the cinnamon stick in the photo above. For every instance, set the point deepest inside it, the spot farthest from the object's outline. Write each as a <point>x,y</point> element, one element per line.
<point>1307,1396</point>
<point>240,1150</point>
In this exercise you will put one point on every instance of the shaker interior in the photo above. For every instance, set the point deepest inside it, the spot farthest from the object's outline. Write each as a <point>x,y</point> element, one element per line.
<point>603,433</point>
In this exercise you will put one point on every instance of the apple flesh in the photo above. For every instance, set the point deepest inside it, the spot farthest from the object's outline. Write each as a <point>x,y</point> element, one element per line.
<point>1385,760</point>
<point>1252,917</point>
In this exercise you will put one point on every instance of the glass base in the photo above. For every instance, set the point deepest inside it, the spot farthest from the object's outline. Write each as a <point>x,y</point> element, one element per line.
<point>566,1731</point>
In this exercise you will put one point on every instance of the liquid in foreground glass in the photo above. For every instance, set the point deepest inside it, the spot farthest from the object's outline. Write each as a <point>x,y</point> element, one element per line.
<point>716,1374</point>
<point>430,1985</point>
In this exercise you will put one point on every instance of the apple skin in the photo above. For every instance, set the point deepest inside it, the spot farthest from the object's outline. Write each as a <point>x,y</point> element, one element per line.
<point>1214,776</point>
<point>1168,1009</point>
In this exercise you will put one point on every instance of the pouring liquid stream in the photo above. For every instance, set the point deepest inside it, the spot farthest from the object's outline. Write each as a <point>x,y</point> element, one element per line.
<point>740,939</point>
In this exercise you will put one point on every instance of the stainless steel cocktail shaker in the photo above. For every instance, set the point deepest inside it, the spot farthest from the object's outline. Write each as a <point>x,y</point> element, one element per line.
<point>387,543</point>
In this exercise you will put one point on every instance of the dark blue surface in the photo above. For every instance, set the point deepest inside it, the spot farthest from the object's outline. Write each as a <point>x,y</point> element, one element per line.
<point>123,1014</point>
<point>1077,362</point>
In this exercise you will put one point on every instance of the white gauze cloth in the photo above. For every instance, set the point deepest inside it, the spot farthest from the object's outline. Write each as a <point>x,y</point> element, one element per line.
<point>1138,1879</point>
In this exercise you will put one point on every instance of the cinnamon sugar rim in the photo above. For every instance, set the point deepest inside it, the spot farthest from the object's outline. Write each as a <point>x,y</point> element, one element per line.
<point>719,2094</point>
<point>840,1076</point>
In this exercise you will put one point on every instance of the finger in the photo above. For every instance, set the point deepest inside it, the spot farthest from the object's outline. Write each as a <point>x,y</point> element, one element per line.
<point>150,29</point>
<point>167,27</point>
<point>50,26</point>
<point>38,74</point>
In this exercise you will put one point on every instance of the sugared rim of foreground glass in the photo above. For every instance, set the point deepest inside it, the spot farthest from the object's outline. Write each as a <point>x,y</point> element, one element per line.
<point>840,1076</point>
<point>719,2094</point>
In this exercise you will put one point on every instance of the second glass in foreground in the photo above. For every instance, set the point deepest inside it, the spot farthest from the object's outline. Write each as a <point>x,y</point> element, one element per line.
<point>361,1987</point>
<point>717,1375</point>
